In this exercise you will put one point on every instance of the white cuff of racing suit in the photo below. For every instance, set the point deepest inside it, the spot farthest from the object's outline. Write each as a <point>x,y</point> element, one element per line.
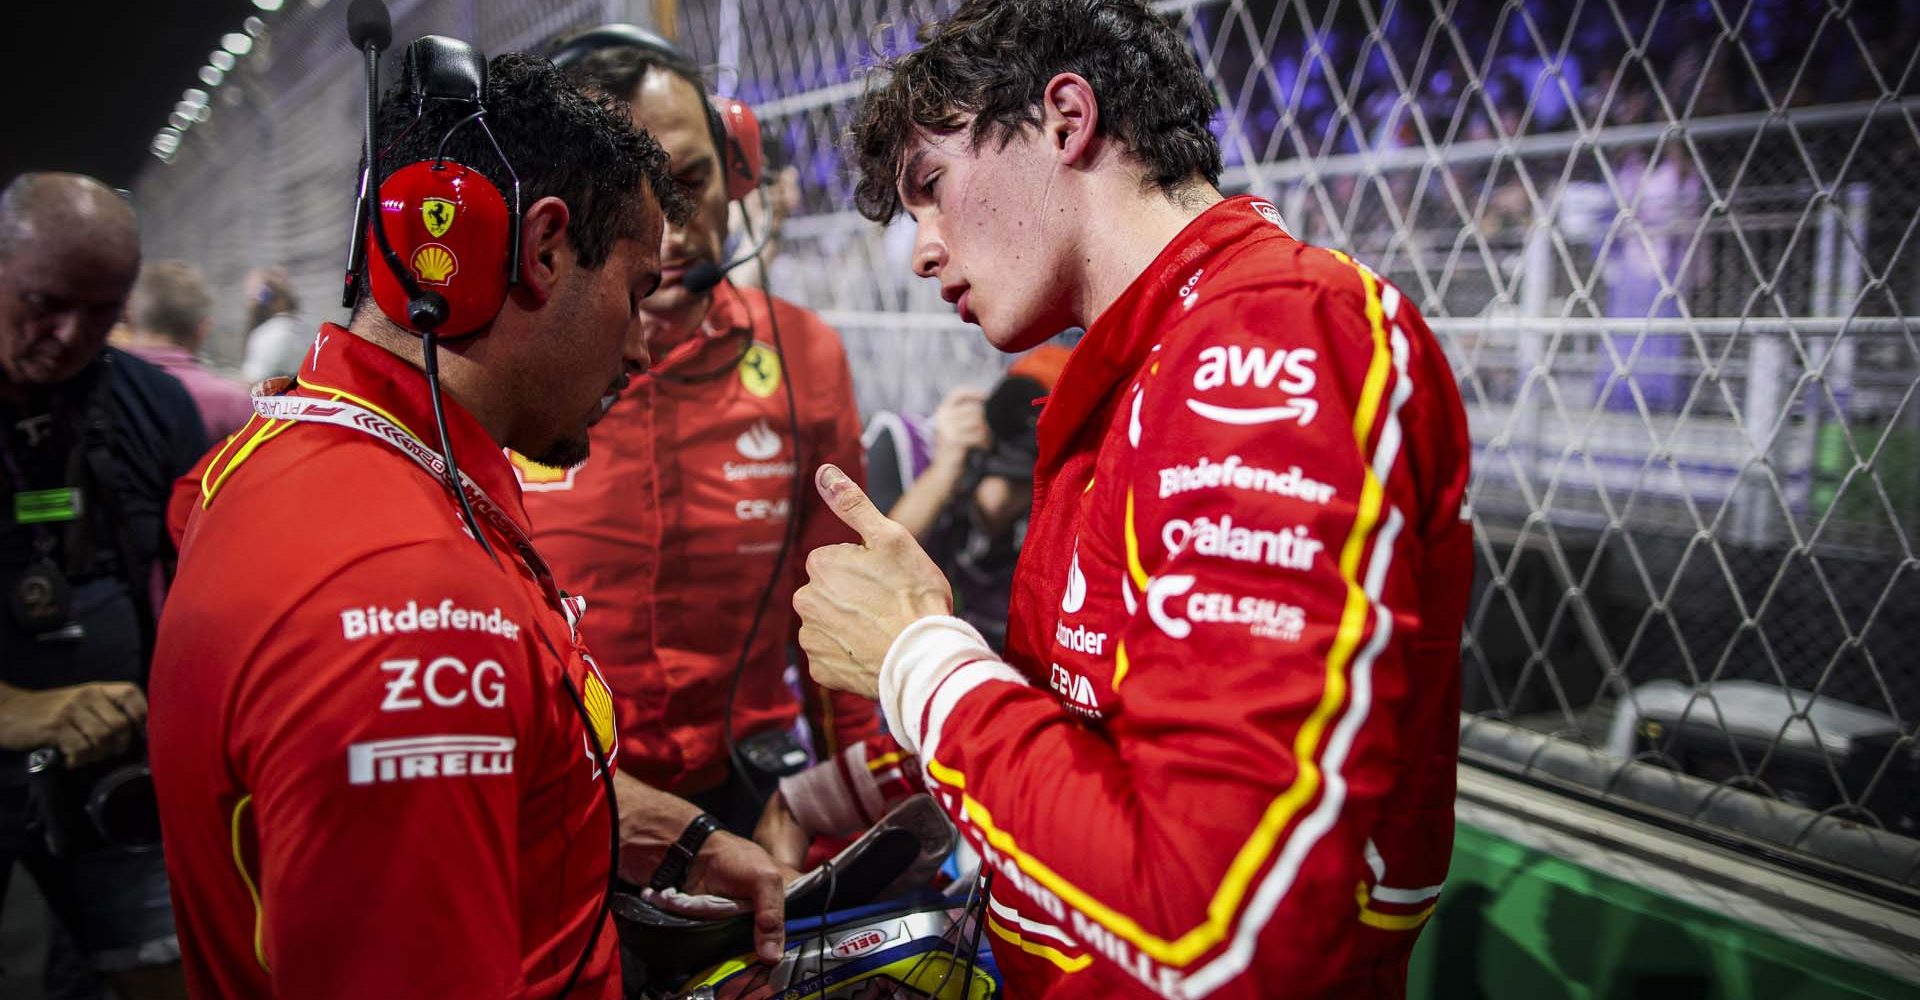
<point>931,665</point>
<point>835,796</point>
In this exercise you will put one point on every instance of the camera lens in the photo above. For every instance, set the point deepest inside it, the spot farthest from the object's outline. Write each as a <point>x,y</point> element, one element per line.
<point>124,809</point>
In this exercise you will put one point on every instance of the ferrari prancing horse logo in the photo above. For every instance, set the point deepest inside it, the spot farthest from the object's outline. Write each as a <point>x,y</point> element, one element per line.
<point>760,370</point>
<point>437,213</point>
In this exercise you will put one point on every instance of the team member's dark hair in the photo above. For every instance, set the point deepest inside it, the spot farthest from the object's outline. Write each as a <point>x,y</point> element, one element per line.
<point>992,59</point>
<point>618,70</point>
<point>580,149</point>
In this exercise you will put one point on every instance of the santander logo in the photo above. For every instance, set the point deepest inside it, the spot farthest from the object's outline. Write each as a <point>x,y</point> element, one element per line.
<point>758,443</point>
<point>1076,596</point>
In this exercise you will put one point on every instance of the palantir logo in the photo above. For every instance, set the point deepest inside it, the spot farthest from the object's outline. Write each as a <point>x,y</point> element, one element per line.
<point>758,443</point>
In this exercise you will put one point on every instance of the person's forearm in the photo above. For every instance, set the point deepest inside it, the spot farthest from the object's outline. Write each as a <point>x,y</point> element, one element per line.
<point>919,507</point>
<point>18,730</point>
<point>650,821</point>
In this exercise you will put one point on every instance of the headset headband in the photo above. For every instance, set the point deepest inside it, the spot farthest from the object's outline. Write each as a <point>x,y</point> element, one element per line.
<point>727,119</point>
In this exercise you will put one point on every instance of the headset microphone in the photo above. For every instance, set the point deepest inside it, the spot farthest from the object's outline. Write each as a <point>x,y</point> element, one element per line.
<point>369,24</point>
<point>370,29</point>
<point>704,276</point>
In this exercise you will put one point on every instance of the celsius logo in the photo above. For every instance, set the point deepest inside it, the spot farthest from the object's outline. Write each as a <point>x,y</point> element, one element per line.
<point>1264,617</point>
<point>1256,367</point>
<point>758,443</point>
<point>1076,596</point>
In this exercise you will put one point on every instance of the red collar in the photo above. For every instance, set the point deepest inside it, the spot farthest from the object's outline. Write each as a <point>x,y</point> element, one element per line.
<point>343,366</point>
<point>727,315</point>
<point>1122,336</point>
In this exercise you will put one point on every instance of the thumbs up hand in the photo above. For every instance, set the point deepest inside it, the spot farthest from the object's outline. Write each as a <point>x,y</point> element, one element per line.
<point>858,598</point>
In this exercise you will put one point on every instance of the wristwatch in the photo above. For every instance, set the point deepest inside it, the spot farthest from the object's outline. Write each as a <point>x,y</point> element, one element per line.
<point>672,873</point>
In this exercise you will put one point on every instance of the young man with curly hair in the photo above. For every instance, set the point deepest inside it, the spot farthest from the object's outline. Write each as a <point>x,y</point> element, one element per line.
<point>1217,758</point>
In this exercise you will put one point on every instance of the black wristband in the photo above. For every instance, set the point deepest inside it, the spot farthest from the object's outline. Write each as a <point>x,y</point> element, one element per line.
<point>672,873</point>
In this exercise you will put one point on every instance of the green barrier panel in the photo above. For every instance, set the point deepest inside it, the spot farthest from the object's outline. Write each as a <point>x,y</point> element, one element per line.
<point>1520,924</point>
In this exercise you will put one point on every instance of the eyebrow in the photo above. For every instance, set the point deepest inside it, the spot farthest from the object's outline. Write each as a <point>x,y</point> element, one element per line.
<point>906,173</point>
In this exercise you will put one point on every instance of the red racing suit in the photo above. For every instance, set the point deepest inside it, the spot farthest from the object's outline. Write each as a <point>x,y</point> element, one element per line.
<point>671,528</point>
<point>1219,758</point>
<point>374,780</point>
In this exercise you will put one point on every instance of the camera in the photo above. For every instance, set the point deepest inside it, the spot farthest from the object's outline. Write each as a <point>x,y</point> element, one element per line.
<point>96,807</point>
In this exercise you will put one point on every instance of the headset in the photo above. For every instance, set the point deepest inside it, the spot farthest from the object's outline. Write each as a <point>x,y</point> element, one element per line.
<point>735,131</point>
<point>450,243</point>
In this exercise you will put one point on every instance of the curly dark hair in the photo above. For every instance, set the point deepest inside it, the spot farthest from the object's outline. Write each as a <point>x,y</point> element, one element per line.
<point>986,68</point>
<point>583,150</point>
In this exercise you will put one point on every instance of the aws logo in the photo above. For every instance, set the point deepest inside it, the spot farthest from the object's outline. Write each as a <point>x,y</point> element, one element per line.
<point>1290,373</point>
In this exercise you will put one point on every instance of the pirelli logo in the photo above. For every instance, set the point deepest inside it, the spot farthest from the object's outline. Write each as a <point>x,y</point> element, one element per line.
<point>417,757</point>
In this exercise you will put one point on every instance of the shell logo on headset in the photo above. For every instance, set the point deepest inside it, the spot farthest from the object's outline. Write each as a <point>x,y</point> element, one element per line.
<point>435,264</point>
<point>438,214</point>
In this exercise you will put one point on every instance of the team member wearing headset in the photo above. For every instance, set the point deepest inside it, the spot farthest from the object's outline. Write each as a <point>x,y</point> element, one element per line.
<point>684,520</point>
<point>380,741</point>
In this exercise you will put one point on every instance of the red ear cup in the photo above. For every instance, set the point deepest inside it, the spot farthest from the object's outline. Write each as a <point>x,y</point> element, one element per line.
<point>449,227</point>
<point>743,146</point>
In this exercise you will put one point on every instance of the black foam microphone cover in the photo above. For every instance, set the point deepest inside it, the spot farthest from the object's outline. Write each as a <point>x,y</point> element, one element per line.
<point>702,277</point>
<point>427,310</point>
<point>368,23</point>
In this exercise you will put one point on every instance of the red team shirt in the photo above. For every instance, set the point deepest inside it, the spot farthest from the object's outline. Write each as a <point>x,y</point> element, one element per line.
<point>671,528</point>
<point>373,780</point>
<point>1219,760</point>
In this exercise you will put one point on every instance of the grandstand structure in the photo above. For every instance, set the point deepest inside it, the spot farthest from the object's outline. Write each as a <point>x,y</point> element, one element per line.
<point>1672,248</point>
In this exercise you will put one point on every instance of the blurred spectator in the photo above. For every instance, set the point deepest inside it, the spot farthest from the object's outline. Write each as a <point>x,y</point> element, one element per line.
<point>1660,205</point>
<point>168,317</point>
<point>91,440</point>
<point>751,218</point>
<point>969,508</point>
<point>763,212</point>
<point>279,336</point>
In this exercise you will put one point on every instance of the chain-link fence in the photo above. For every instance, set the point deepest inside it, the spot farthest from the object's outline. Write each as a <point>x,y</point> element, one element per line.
<point>1669,247</point>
